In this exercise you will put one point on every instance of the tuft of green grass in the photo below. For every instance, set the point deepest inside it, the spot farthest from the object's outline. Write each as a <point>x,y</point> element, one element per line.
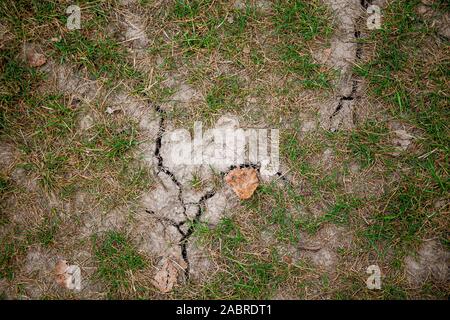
<point>101,56</point>
<point>120,143</point>
<point>17,82</point>
<point>406,211</point>
<point>284,209</point>
<point>46,231</point>
<point>310,74</point>
<point>308,19</point>
<point>227,230</point>
<point>368,142</point>
<point>26,17</point>
<point>245,275</point>
<point>188,8</point>
<point>297,23</point>
<point>116,257</point>
<point>196,182</point>
<point>7,253</point>
<point>281,209</point>
<point>296,153</point>
<point>339,213</point>
<point>199,32</point>
<point>224,95</point>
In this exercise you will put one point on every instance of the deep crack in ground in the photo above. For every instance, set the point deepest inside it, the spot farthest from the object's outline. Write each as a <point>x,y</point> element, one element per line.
<point>200,204</point>
<point>358,56</point>
<point>185,235</point>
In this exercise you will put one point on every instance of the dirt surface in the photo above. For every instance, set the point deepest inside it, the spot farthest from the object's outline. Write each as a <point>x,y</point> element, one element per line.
<point>161,219</point>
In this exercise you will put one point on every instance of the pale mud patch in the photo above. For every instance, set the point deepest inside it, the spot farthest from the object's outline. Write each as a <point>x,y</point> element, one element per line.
<point>179,140</point>
<point>38,278</point>
<point>263,6</point>
<point>157,227</point>
<point>328,158</point>
<point>341,111</point>
<point>164,202</point>
<point>8,156</point>
<point>133,30</point>
<point>159,238</point>
<point>403,138</point>
<point>175,205</point>
<point>32,55</point>
<point>64,79</point>
<point>364,183</point>
<point>430,263</point>
<point>131,27</point>
<point>184,98</point>
<point>438,20</point>
<point>5,35</point>
<point>143,113</point>
<point>308,126</point>
<point>97,221</point>
<point>284,294</point>
<point>220,206</point>
<point>86,122</point>
<point>223,204</point>
<point>366,187</point>
<point>163,226</point>
<point>201,262</point>
<point>28,210</point>
<point>321,248</point>
<point>36,271</point>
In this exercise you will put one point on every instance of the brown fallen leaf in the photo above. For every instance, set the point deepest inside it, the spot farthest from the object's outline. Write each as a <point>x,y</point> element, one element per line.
<point>67,276</point>
<point>243,182</point>
<point>287,259</point>
<point>327,54</point>
<point>61,267</point>
<point>35,59</point>
<point>167,276</point>
<point>60,273</point>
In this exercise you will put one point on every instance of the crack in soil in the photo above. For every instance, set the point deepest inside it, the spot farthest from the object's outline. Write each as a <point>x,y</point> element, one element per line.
<point>200,204</point>
<point>162,168</point>
<point>358,56</point>
<point>185,238</point>
<point>185,235</point>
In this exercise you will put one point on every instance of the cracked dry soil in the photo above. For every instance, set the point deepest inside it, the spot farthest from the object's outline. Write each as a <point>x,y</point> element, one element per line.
<point>164,217</point>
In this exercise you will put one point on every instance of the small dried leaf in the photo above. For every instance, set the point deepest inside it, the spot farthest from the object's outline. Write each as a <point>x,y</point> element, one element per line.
<point>36,59</point>
<point>166,277</point>
<point>287,259</point>
<point>67,276</point>
<point>403,135</point>
<point>327,54</point>
<point>243,182</point>
<point>61,267</point>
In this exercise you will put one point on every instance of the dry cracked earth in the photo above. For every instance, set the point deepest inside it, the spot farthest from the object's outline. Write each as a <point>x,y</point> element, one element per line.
<point>88,124</point>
